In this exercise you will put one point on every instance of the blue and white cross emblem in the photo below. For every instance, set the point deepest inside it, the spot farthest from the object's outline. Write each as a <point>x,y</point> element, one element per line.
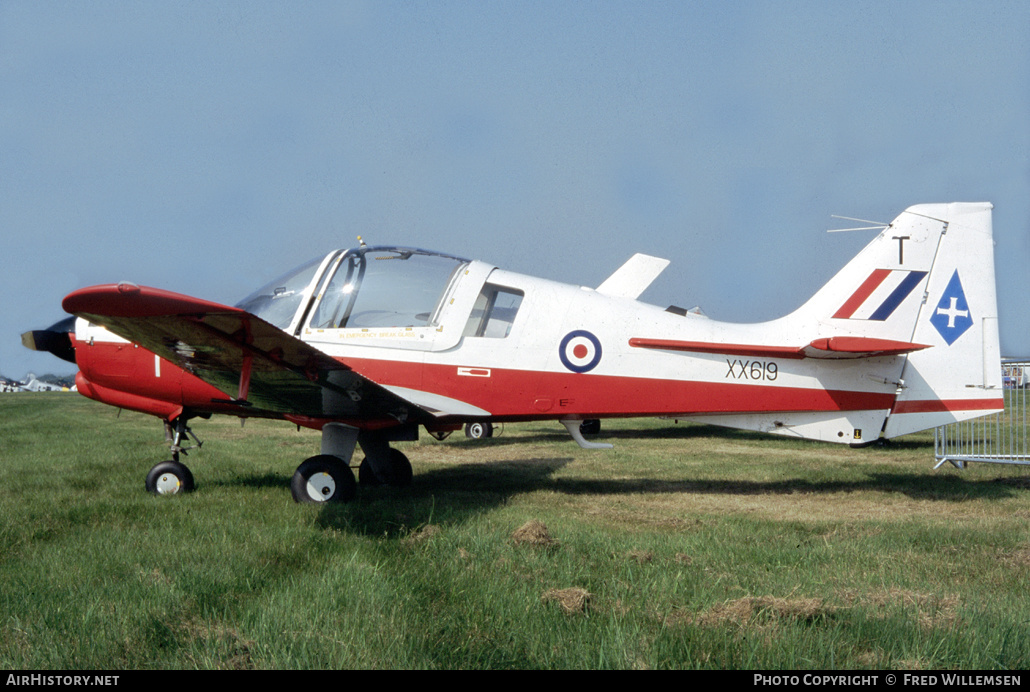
<point>952,317</point>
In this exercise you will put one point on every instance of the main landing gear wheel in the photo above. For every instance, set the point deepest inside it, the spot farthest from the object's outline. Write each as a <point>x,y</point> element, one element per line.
<point>323,478</point>
<point>169,478</point>
<point>397,474</point>
<point>479,430</point>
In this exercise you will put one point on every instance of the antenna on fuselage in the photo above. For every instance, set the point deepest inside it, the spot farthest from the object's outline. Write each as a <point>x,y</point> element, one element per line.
<point>362,242</point>
<point>878,225</point>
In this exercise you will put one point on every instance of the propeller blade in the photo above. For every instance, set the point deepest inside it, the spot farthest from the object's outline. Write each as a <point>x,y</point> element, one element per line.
<point>55,339</point>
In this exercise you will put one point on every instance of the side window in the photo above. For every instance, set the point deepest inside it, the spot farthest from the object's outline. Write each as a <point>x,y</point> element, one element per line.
<point>494,312</point>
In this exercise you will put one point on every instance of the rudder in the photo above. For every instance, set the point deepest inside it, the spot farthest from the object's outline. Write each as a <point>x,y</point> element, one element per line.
<point>959,376</point>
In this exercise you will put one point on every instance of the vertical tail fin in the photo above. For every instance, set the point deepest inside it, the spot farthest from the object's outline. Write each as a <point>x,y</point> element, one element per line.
<point>960,376</point>
<point>926,281</point>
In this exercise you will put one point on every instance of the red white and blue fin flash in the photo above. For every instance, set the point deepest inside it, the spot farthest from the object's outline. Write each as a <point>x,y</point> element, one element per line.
<point>880,295</point>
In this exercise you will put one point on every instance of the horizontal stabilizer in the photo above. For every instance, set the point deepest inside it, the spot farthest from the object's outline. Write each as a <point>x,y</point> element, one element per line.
<point>859,347</point>
<point>833,347</point>
<point>724,349</point>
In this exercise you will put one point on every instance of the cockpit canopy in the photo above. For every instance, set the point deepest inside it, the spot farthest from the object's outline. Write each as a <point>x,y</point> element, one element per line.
<point>366,287</point>
<point>277,301</point>
<point>385,288</point>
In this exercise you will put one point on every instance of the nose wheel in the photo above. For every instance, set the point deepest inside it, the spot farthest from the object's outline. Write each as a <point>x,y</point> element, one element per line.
<point>173,477</point>
<point>169,478</point>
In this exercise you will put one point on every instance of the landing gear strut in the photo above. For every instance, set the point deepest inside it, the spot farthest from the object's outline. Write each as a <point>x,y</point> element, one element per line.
<point>173,477</point>
<point>325,477</point>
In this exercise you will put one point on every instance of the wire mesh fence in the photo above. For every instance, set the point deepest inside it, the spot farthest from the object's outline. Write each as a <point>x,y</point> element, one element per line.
<point>1000,438</point>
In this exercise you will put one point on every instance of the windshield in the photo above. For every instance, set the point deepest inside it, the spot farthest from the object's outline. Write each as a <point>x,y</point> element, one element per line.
<point>277,301</point>
<point>376,287</point>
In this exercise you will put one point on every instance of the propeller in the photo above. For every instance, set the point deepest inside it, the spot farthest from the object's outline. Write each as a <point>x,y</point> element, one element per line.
<point>54,339</point>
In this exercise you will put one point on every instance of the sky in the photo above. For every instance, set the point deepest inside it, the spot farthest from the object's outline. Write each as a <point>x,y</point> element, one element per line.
<point>207,147</point>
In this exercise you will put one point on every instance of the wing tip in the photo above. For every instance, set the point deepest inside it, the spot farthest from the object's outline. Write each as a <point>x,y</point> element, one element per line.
<point>126,299</point>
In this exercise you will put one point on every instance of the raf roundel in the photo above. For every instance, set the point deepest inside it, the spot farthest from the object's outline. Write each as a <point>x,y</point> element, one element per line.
<point>580,351</point>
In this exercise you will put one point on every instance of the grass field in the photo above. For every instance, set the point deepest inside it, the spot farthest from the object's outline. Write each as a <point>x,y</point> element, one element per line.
<point>684,547</point>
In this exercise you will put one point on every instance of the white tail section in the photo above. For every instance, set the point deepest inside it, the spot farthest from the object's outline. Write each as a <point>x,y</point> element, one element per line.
<point>879,293</point>
<point>903,338</point>
<point>960,376</point>
<point>927,280</point>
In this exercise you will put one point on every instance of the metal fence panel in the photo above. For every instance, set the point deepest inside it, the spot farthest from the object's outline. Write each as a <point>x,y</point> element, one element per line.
<point>1000,438</point>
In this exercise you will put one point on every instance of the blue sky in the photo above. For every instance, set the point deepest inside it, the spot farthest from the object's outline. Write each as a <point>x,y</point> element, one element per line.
<point>205,147</point>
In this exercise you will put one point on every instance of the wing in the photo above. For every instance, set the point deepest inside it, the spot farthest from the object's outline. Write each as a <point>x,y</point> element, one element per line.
<point>255,363</point>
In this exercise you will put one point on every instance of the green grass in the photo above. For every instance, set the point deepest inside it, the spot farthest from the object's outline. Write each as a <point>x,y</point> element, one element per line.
<point>684,547</point>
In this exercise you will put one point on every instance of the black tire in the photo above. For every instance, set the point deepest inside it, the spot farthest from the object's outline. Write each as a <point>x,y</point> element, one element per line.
<point>590,427</point>
<point>401,474</point>
<point>479,430</point>
<point>366,476</point>
<point>323,478</point>
<point>169,478</point>
<point>398,475</point>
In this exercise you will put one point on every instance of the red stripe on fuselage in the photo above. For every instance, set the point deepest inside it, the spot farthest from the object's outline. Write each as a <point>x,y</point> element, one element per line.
<point>948,405</point>
<point>521,394</point>
<point>507,394</point>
